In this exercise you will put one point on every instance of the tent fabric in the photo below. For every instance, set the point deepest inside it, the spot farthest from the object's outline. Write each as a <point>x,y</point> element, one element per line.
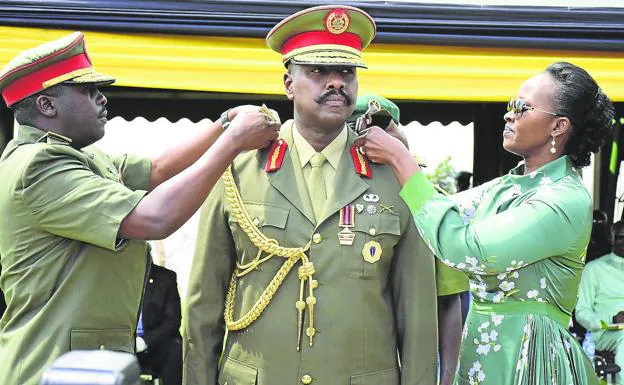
<point>247,66</point>
<point>580,28</point>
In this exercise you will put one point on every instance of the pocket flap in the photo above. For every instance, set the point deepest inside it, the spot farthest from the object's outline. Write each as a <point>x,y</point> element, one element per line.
<point>267,215</point>
<point>234,372</point>
<point>382,223</point>
<point>104,339</point>
<point>386,376</point>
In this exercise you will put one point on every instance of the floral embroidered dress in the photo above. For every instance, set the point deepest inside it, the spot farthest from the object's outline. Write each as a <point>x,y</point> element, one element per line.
<point>521,239</point>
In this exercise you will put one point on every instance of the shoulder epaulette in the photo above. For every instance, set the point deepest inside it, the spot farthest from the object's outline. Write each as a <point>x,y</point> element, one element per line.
<point>361,163</point>
<point>54,138</point>
<point>276,155</point>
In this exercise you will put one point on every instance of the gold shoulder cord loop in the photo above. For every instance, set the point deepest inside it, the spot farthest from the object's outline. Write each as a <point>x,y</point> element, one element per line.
<point>271,248</point>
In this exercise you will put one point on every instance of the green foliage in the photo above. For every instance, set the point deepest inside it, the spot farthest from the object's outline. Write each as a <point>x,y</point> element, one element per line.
<point>444,176</point>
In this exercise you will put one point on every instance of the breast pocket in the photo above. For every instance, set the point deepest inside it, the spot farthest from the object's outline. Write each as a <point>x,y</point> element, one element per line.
<point>104,339</point>
<point>373,247</point>
<point>387,376</point>
<point>271,221</point>
<point>233,372</point>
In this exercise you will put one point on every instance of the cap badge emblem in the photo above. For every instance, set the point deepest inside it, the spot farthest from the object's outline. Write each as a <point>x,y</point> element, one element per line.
<point>337,21</point>
<point>374,104</point>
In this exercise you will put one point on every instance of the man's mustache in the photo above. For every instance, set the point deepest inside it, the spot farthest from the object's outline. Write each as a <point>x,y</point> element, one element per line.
<point>329,93</point>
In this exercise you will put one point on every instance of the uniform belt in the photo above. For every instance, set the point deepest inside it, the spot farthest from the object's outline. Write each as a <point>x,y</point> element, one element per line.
<point>513,307</point>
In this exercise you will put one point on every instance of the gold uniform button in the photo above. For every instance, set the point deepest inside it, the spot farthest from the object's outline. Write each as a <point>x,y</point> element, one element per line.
<point>102,347</point>
<point>317,238</point>
<point>306,379</point>
<point>256,221</point>
<point>372,231</point>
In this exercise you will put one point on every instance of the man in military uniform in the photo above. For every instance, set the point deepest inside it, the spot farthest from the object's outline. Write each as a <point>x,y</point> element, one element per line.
<point>450,283</point>
<point>306,253</point>
<point>74,220</point>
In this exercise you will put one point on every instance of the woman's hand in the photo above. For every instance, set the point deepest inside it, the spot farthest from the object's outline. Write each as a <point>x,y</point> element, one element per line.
<point>381,147</point>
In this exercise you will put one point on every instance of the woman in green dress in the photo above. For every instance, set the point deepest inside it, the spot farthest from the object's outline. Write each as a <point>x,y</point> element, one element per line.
<point>521,238</point>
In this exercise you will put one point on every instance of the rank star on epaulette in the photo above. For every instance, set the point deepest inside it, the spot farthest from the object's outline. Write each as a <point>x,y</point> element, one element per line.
<point>361,163</point>
<point>276,155</point>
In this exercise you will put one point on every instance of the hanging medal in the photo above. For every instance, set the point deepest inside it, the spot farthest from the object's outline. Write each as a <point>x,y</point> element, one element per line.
<point>347,219</point>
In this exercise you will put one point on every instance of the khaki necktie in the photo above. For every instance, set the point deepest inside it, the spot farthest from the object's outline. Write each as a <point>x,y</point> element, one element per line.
<point>316,184</point>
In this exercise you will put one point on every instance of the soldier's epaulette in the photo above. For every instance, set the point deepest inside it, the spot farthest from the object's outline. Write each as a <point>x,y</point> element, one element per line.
<point>361,163</point>
<point>54,138</point>
<point>276,155</point>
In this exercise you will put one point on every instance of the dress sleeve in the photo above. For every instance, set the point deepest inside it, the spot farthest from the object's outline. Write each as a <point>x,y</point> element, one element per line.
<point>71,201</point>
<point>550,223</point>
<point>450,281</point>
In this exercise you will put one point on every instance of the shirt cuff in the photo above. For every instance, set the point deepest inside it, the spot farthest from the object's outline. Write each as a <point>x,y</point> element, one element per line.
<point>417,191</point>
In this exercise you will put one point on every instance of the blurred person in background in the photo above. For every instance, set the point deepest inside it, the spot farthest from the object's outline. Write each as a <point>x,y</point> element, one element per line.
<point>601,299</point>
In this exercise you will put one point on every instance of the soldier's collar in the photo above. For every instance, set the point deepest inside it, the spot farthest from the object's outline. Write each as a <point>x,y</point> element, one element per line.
<point>277,152</point>
<point>333,152</point>
<point>28,134</point>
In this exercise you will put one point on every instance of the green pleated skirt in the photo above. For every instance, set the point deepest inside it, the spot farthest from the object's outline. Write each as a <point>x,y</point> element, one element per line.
<point>521,343</point>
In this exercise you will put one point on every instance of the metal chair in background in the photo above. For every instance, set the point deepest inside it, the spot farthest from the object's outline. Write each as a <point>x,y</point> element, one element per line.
<point>604,363</point>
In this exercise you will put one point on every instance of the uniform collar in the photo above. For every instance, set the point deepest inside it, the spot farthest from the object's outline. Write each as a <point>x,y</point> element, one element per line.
<point>615,260</point>
<point>333,152</point>
<point>28,134</point>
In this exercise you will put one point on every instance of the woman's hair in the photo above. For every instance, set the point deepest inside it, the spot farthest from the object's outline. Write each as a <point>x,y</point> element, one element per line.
<point>578,96</point>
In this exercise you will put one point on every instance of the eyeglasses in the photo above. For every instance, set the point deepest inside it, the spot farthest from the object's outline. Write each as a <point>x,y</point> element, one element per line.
<point>519,107</point>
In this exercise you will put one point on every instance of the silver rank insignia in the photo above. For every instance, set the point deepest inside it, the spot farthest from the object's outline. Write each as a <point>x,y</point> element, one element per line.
<point>371,198</point>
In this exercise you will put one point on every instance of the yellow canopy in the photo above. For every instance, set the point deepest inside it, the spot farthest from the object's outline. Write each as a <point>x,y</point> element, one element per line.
<point>247,65</point>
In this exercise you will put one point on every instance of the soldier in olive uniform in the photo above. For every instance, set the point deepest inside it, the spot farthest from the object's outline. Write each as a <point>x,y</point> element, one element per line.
<point>306,254</point>
<point>74,220</point>
<point>450,283</point>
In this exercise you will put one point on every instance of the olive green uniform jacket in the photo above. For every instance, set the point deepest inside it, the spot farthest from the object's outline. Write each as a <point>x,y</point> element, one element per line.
<point>365,312</point>
<point>68,281</point>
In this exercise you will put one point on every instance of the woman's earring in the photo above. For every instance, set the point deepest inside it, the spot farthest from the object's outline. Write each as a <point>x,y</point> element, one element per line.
<point>552,143</point>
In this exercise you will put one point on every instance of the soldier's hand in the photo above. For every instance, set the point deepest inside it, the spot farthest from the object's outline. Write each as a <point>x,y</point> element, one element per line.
<point>252,129</point>
<point>619,317</point>
<point>246,107</point>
